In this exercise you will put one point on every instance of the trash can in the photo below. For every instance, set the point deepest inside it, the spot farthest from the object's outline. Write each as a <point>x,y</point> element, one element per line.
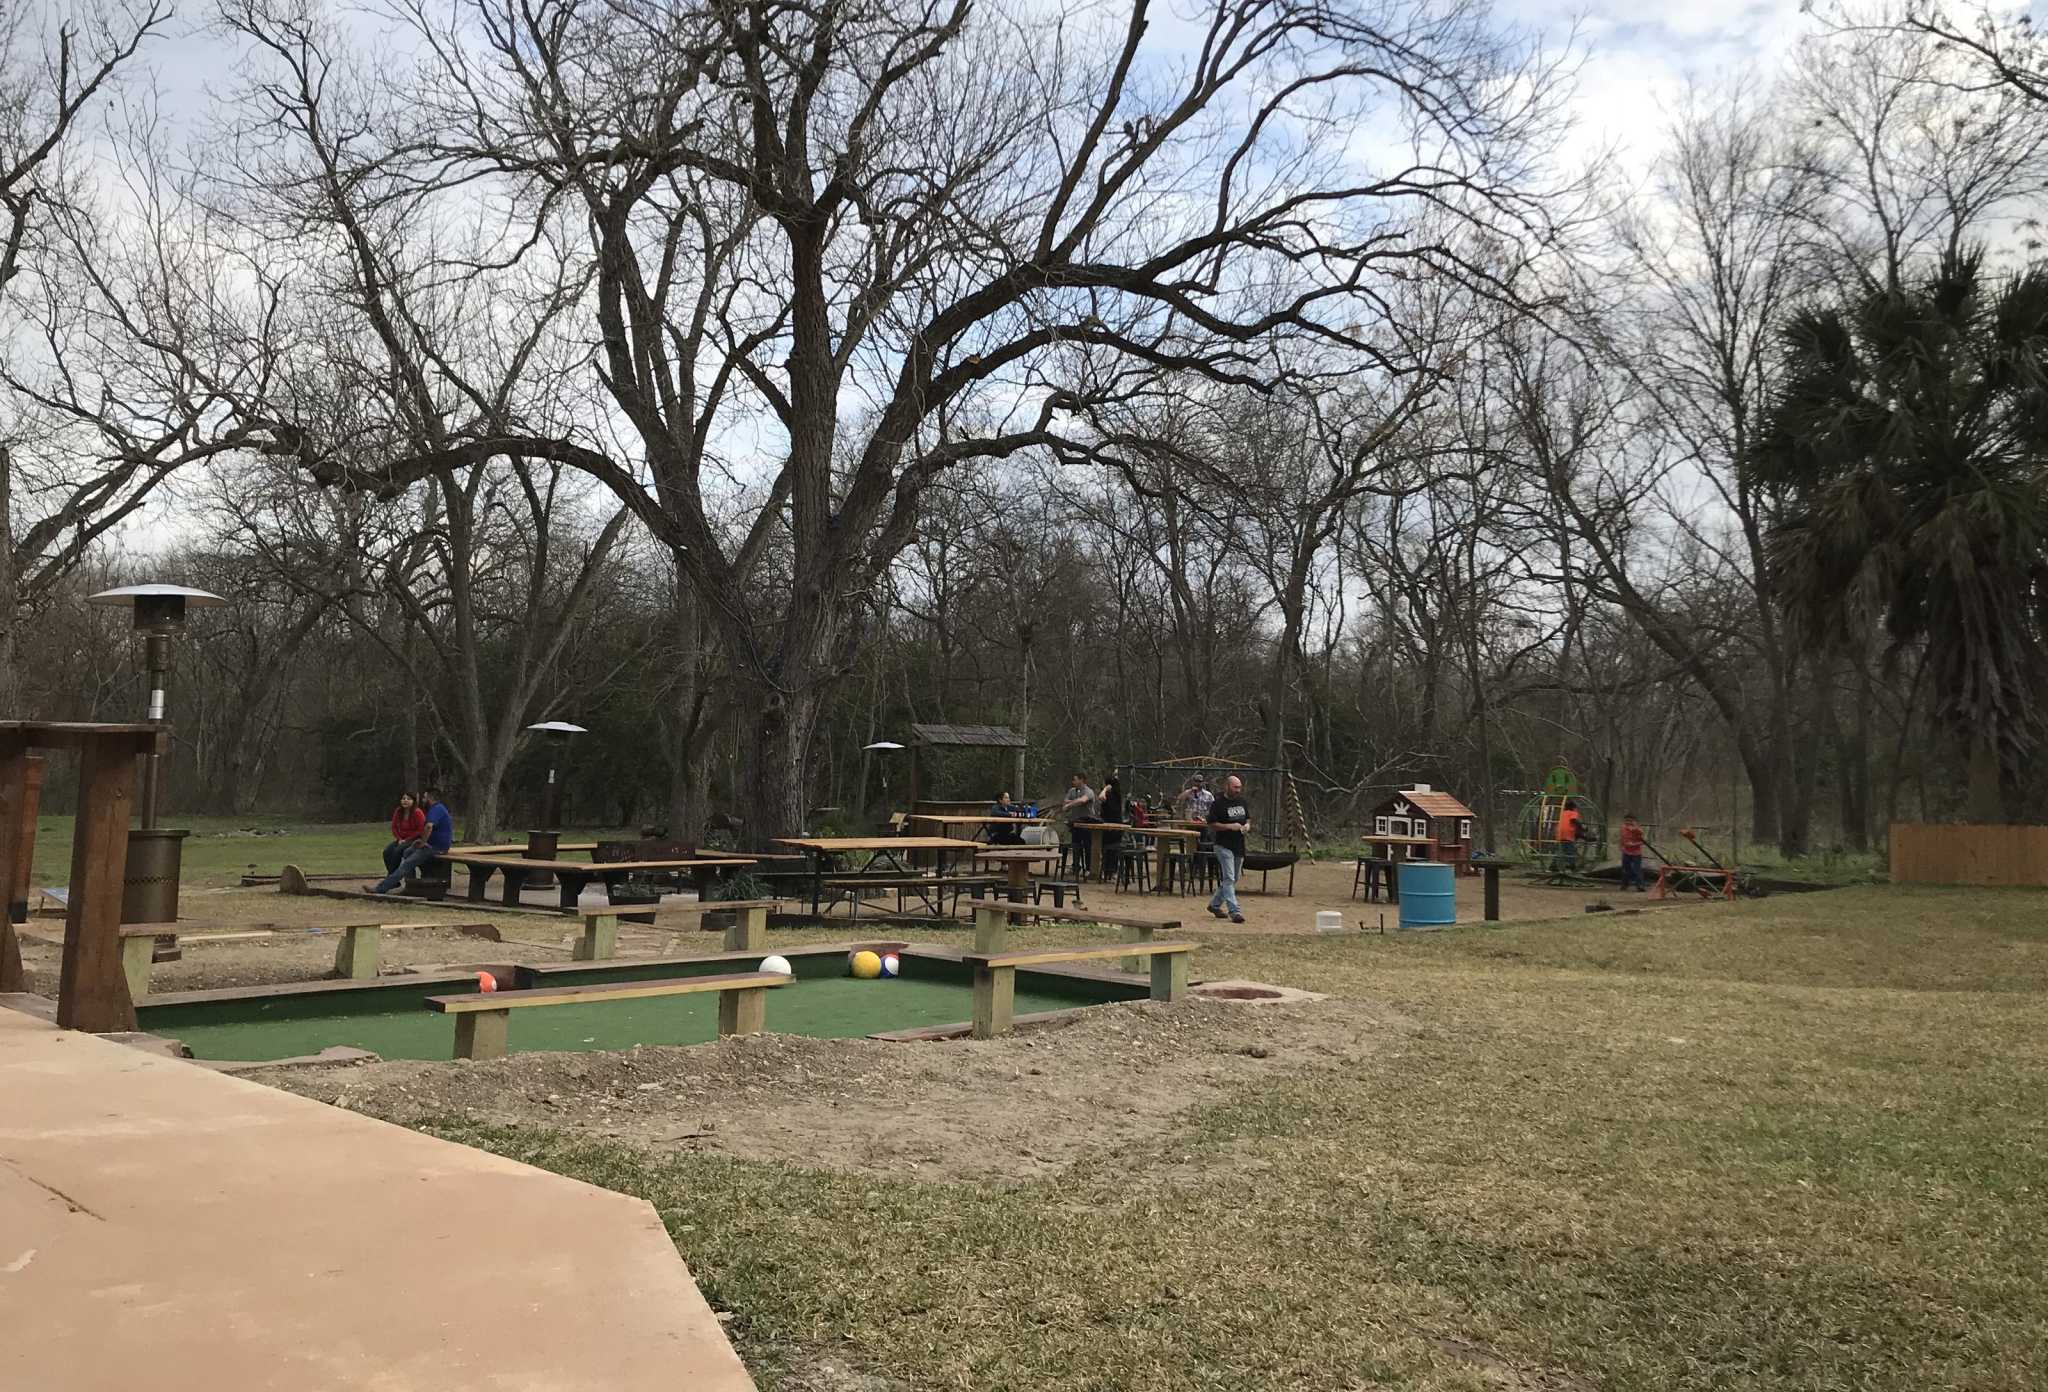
<point>1429,894</point>
<point>149,890</point>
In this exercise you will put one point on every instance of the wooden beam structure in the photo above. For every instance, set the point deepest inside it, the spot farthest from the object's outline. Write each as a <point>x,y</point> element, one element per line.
<point>92,991</point>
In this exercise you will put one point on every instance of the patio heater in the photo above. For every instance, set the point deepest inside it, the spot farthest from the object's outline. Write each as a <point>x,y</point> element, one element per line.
<point>150,891</point>
<point>542,843</point>
<point>884,746</point>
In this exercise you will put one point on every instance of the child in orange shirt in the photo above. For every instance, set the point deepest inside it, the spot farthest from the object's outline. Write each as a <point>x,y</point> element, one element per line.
<point>1631,853</point>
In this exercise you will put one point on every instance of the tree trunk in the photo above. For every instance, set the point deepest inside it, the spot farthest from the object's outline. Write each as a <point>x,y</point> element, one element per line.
<point>1987,793</point>
<point>777,732</point>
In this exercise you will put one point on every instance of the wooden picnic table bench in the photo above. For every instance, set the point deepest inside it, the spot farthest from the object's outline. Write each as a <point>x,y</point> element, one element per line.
<point>922,886</point>
<point>995,975</point>
<point>571,876</point>
<point>749,932</point>
<point>992,922</point>
<point>483,1018</point>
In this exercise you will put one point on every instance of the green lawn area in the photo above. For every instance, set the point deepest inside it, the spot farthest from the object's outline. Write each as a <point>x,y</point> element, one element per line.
<point>1799,1143</point>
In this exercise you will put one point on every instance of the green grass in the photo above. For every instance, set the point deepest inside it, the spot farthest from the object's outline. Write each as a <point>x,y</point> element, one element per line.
<point>221,850</point>
<point>1794,1144</point>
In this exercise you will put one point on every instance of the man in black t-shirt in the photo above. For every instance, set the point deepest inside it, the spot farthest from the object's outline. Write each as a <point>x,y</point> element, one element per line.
<point>1230,821</point>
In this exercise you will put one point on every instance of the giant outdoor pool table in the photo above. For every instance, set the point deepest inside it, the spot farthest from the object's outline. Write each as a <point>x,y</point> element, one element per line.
<point>389,1016</point>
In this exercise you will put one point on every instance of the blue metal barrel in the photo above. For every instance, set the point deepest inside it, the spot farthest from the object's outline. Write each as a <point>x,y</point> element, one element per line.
<point>1429,894</point>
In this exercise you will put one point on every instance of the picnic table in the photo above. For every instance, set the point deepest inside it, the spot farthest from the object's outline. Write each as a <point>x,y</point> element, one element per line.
<point>1017,862</point>
<point>571,876</point>
<point>949,822</point>
<point>1160,834</point>
<point>885,855</point>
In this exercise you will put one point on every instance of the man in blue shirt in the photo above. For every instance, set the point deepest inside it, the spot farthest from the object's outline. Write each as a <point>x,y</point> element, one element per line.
<point>440,835</point>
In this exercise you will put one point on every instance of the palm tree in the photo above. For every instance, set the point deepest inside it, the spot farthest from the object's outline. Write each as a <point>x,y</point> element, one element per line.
<point>1910,441</point>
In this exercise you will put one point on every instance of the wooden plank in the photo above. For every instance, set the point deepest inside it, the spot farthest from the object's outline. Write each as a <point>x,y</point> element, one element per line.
<point>600,940</point>
<point>1170,976</point>
<point>749,931</point>
<point>1017,911</point>
<point>619,990</point>
<point>358,954</point>
<point>742,1010</point>
<point>704,906</point>
<point>991,929</point>
<point>995,999</point>
<point>17,821</point>
<point>130,739</point>
<point>591,869</point>
<point>879,843</point>
<point>1135,933</point>
<point>483,1034</point>
<point>1969,854</point>
<point>225,995</point>
<point>1033,958</point>
<point>93,992</point>
<point>137,952</point>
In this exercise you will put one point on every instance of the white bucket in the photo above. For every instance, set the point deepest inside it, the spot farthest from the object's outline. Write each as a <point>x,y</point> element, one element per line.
<point>1329,921</point>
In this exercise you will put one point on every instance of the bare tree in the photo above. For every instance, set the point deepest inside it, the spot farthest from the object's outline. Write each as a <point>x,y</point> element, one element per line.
<point>977,223</point>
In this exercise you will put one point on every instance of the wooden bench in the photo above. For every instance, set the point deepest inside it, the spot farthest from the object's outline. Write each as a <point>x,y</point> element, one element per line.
<point>852,885</point>
<point>992,922</point>
<point>483,1018</point>
<point>138,952</point>
<point>749,932</point>
<point>995,976</point>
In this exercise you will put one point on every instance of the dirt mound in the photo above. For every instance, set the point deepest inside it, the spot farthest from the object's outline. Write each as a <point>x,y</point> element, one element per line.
<point>1015,1108</point>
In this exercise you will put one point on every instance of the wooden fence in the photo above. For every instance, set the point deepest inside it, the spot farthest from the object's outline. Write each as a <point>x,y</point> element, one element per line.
<point>1969,855</point>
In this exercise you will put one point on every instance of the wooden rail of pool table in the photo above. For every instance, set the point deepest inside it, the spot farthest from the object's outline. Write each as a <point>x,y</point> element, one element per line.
<point>995,976</point>
<point>483,1018</point>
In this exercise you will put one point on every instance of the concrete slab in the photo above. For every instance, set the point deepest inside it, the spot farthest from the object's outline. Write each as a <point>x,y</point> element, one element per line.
<point>171,1227</point>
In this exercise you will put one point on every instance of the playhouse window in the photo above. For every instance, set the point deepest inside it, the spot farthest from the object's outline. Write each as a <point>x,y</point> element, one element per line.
<point>1464,828</point>
<point>1398,826</point>
<point>1380,825</point>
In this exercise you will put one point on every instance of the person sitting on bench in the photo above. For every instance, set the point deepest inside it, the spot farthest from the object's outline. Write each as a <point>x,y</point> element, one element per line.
<point>1005,833</point>
<point>440,835</point>
<point>408,826</point>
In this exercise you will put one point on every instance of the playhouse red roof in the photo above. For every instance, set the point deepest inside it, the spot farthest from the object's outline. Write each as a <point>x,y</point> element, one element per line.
<point>1435,804</point>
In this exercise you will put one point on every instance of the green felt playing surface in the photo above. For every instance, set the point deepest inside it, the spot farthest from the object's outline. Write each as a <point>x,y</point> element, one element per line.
<point>829,1008</point>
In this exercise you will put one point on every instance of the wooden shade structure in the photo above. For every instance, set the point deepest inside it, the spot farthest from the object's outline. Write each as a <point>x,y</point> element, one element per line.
<point>923,737</point>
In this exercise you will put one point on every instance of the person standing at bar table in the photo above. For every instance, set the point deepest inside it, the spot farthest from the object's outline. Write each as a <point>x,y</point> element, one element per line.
<point>1109,807</point>
<point>1196,800</point>
<point>440,835</point>
<point>1230,821</point>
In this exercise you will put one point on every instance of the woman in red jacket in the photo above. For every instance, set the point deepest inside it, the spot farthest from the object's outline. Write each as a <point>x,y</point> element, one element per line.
<point>408,825</point>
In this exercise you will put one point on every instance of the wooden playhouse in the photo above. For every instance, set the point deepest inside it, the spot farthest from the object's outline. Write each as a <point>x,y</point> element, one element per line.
<point>1421,811</point>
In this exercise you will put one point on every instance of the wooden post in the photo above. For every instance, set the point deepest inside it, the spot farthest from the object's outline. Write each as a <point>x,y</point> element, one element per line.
<point>1492,873</point>
<point>1169,976</point>
<point>481,1034</point>
<point>358,954</point>
<point>137,952</point>
<point>93,994</point>
<point>1136,933</point>
<point>600,940</point>
<point>742,1010</point>
<point>17,819</point>
<point>25,843</point>
<point>749,931</point>
<point>991,929</point>
<point>995,1000</point>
